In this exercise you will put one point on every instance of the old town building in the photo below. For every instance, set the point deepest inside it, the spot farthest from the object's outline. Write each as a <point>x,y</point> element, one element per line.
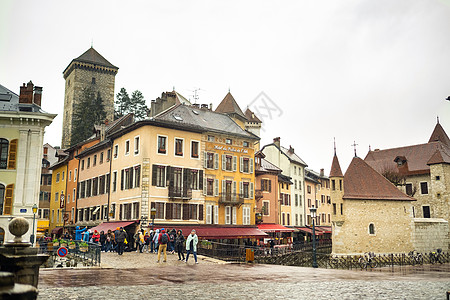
<point>293,166</point>
<point>48,159</point>
<point>22,124</point>
<point>317,193</point>
<point>88,70</point>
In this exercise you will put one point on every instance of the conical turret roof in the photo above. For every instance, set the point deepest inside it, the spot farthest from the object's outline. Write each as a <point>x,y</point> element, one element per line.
<point>230,106</point>
<point>440,135</point>
<point>336,168</point>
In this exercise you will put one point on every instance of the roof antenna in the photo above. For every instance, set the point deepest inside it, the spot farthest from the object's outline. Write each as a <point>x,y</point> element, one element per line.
<point>334,139</point>
<point>438,119</point>
<point>354,146</point>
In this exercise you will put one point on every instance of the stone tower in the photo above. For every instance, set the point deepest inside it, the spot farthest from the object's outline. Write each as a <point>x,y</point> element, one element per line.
<point>88,70</point>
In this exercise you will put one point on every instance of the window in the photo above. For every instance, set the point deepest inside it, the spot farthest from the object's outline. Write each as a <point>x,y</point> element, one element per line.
<point>211,138</point>
<point>195,180</point>
<point>136,145</point>
<point>295,170</point>
<point>82,164</point>
<point>342,208</point>
<point>162,146</point>
<point>246,165</point>
<point>266,185</point>
<point>246,144</point>
<point>438,177</point>
<point>108,155</point>
<point>308,189</point>
<point>101,158</point>
<point>209,160</point>
<point>245,215</point>
<point>101,185</point>
<point>57,177</point>
<point>227,162</point>
<point>409,189</point>
<point>179,147</point>
<point>296,200</point>
<point>75,175</point>
<point>265,208</point>
<point>94,163</point>
<point>210,187</point>
<point>159,209</point>
<point>229,141</point>
<point>333,184</point>
<point>227,215</point>
<point>114,181</point>
<point>288,219</point>
<point>295,183</point>
<point>74,195</point>
<point>296,219</point>
<point>62,176</point>
<point>127,147</point>
<point>159,176</point>
<point>116,151</point>
<point>426,211</point>
<point>93,80</point>
<point>424,188</point>
<point>70,175</point>
<point>4,145</point>
<point>88,163</point>
<point>194,149</point>
<point>137,176</point>
<point>371,229</point>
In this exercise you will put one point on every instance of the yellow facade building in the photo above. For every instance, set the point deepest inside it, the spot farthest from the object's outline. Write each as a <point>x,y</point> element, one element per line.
<point>58,193</point>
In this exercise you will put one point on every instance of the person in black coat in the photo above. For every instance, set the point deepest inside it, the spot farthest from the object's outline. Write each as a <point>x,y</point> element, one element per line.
<point>179,244</point>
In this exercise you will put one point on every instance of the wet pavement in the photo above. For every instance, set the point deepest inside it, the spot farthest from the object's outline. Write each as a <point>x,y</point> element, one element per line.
<point>138,276</point>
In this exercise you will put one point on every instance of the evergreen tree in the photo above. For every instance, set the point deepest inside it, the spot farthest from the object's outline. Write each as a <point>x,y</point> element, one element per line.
<point>136,104</point>
<point>88,112</point>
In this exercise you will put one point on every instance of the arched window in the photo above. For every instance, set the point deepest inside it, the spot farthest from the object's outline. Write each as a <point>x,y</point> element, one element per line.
<point>2,197</point>
<point>371,228</point>
<point>4,145</point>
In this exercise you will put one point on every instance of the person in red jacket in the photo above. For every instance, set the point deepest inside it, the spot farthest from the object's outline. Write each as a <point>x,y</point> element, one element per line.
<point>163,240</point>
<point>96,237</point>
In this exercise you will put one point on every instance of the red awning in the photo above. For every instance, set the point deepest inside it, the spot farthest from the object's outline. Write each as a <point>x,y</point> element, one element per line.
<point>215,232</point>
<point>309,230</point>
<point>111,225</point>
<point>274,228</point>
<point>325,229</point>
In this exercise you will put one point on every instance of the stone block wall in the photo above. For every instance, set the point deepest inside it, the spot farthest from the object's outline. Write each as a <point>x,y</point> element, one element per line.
<point>430,234</point>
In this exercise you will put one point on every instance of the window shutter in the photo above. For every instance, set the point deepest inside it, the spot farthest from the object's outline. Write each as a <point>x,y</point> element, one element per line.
<point>120,211</point>
<point>270,185</point>
<point>216,161</point>
<point>170,177</point>
<point>121,179</point>
<point>12,154</point>
<point>216,214</point>
<point>186,179</point>
<point>251,190</point>
<point>208,214</point>
<point>234,163</point>
<point>241,164</point>
<point>224,162</point>
<point>224,190</point>
<point>169,211</point>
<point>216,187</point>
<point>234,188</point>
<point>251,165</point>
<point>9,196</point>
<point>205,159</point>
<point>186,211</point>
<point>200,212</point>
<point>227,215</point>
<point>241,188</point>
<point>204,186</point>
<point>200,180</point>
<point>234,220</point>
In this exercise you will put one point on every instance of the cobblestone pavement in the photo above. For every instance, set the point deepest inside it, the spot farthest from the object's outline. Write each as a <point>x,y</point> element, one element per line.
<point>138,276</point>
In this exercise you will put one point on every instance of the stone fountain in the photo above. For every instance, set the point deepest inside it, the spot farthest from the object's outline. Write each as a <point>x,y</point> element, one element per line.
<point>22,260</point>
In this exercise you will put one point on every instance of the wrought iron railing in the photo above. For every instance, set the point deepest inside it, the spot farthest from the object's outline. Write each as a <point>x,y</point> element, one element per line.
<point>231,198</point>
<point>79,253</point>
<point>180,192</point>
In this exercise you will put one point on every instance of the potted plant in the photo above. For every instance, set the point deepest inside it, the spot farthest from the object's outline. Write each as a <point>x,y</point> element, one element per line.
<point>63,243</point>
<point>55,243</point>
<point>72,245</point>
<point>84,247</point>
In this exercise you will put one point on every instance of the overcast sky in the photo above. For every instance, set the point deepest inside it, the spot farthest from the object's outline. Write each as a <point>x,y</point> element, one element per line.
<point>376,72</point>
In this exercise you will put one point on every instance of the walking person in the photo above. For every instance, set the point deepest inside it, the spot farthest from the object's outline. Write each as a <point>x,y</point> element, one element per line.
<point>172,235</point>
<point>155,240</point>
<point>109,241</point>
<point>102,240</point>
<point>163,240</point>
<point>78,233</point>
<point>120,239</point>
<point>96,237</point>
<point>146,242</point>
<point>191,245</point>
<point>179,244</point>
<point>140,241</point>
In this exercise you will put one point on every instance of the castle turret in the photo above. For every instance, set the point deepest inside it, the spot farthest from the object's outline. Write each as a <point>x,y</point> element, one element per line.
<point>337,191</point>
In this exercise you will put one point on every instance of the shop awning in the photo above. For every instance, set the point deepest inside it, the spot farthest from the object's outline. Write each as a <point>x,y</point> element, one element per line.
<point>325,229</point>
<point>105,226</point>
<point>274,228</point>
<point>42,225</point>
<point>309,230</point>
<point>57,230</point>
<point>216,232</point>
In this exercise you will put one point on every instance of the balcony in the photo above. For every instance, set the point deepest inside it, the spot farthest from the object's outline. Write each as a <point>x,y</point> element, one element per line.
<point>183,193</point>
<point>231,198</point>
<point>258,194</point>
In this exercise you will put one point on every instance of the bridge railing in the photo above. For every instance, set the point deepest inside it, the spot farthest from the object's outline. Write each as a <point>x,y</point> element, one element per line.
<point>79,253</point>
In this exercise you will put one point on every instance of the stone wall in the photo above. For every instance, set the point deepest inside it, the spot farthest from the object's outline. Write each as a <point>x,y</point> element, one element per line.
<point>430,234</point>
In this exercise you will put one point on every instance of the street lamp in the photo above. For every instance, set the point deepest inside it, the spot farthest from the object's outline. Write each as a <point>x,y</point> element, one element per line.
<point>313,216</point>
<point>34,208</point>
<point>153,214</point>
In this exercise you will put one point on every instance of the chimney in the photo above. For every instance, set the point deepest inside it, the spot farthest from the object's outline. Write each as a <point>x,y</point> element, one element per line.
<point>210,106</point>
<point>291,150</point>
<point>37,95</point>
<point>322,172</point>
<point>204,106</point>
<point>26,93</point>
<point>276,141</point>
<point>196,105</point>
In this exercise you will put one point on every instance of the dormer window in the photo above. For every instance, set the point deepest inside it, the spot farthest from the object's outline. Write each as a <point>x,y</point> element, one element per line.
<point>400,160</point>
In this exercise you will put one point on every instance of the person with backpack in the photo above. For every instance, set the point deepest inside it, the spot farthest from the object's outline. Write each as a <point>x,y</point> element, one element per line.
<point>163,240</point>
<point>191,245</point>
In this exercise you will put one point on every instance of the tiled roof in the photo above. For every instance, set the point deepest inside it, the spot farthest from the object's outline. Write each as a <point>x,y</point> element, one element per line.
<point>284,178</point>
<point>229,106</point>
<point>92,56</point>
<point>292,156</point>
<point>336,168</point>
<point>203,119</point>
<point>267,166</point>
<point>9,101</point>
<point>439,135</point>
<point>442,155</point>
<point>251,117</point>
<point>361,182</point>
<point>417,157</point>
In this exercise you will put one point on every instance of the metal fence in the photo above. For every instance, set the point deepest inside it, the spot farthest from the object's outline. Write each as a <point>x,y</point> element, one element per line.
<point>79,254</point>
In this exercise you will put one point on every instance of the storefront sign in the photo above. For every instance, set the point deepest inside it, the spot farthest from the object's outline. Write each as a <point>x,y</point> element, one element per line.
<point>231,149</point>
